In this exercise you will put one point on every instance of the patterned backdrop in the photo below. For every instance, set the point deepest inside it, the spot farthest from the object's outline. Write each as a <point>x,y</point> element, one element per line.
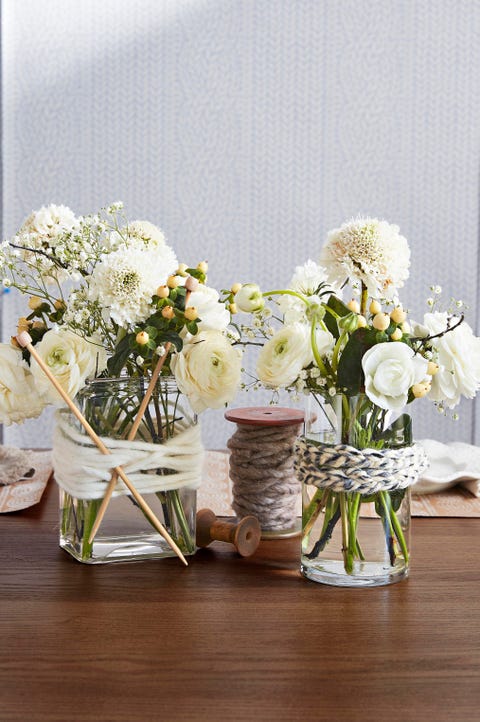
<point>248,128</point>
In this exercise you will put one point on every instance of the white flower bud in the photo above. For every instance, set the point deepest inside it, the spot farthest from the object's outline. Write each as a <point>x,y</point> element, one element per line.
<point>249,298</point>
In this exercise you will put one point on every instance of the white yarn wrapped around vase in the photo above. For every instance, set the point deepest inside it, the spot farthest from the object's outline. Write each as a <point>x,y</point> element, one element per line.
<point>84,472</point>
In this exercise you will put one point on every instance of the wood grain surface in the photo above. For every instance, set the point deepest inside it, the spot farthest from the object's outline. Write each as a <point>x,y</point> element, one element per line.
<point>230,639</point>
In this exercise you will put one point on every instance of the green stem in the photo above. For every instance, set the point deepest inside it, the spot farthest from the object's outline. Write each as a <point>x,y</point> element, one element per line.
<point>363,300</point>
<point>333,313</point>
<point>315,502</point>
<point>311,513</point>
<point>66,512</point>
<point>336,350</point>
<point>287,293</point>
<point>353,510</point>
<point>399,534</point>
<point>388,524</point>
<point>90,510</point>
<point>344,514</point>
<point>316,355</point>
<point>174,498</point>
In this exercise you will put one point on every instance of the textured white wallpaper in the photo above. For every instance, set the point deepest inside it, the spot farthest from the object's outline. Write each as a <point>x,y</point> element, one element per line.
<point>248,128</point>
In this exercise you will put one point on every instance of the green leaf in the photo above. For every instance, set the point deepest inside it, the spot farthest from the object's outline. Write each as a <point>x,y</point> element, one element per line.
<point>330,321</point>
<point>158,322</point>
<point>397,498</point>
<point>122,351</point>
<point>350,373</point>
<point>196,274</point>
<point>192,327</point>
<point>174,338</point>
<point>152,331</point>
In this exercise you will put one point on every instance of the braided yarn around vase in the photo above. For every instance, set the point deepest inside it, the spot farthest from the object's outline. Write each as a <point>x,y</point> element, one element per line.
<point>341,467</point>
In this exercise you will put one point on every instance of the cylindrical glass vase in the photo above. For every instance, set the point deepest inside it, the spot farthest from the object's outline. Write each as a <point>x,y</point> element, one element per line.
<point>356,467</point>
<point>167,480</point>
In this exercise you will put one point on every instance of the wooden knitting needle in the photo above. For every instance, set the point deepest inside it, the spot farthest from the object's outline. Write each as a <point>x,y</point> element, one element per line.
<point>132,433</point>
<point>25,340</point>
<point>191,284</point>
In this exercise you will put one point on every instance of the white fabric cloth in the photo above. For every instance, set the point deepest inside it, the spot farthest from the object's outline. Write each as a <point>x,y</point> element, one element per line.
<point>450,464</point>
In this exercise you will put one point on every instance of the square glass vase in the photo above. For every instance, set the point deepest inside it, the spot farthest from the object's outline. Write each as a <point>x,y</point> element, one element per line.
<point>126,533</point>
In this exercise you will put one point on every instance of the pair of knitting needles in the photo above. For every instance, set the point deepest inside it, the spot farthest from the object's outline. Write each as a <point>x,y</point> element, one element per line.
<point>25,340</point>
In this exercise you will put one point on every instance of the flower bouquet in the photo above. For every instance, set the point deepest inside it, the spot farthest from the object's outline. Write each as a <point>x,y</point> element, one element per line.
<point>143,345</point>
<point>361,363</point>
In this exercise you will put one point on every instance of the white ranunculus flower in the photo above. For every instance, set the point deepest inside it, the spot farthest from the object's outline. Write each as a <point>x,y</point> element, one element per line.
<point>126,279</point>
<point>285,355</point>
<point>458,356</point>
<point>325,341</point>
<point>370,251</point>
<point>391,369</point>
<point>208,370</point>
<point>211,312</point>
<point>249,298</point>
<point>19,399</point>
<point>70,358</point>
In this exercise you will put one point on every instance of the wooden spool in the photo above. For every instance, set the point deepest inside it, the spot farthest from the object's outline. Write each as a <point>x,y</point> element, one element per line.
<point>265,416</point>
<point>245,536</point>
<point>269,416</point>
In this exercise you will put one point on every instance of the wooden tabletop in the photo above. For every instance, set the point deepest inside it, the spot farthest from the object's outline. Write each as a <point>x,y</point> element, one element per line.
<point>230,639</point>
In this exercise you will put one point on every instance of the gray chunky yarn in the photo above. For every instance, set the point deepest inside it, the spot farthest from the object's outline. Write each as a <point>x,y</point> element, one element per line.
<point>261,469</point>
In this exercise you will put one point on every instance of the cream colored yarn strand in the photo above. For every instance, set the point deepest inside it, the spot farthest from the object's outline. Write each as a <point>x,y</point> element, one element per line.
<point>82,471</point>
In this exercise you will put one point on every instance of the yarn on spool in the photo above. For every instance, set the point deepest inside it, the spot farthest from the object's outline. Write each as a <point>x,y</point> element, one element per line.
<point>261,467</point>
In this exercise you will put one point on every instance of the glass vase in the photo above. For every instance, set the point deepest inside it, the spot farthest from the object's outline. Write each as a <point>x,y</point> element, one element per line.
<point>354,535</point>
<point>126,533</point>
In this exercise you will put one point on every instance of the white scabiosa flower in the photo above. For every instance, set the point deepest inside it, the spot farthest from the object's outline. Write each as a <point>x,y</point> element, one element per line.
<point>70,358</point>
<point>284,356</point>
<point>125,281</point>
<point>391,369</point>
<point>147,233</point>
<point>458,357</point>
<point>208,370</point>
<point>370,251</point>
<point>19,399</point>
<point>140,234</point>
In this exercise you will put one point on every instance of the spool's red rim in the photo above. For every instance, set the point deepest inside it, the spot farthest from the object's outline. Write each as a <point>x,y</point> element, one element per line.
<point>265,416</point>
